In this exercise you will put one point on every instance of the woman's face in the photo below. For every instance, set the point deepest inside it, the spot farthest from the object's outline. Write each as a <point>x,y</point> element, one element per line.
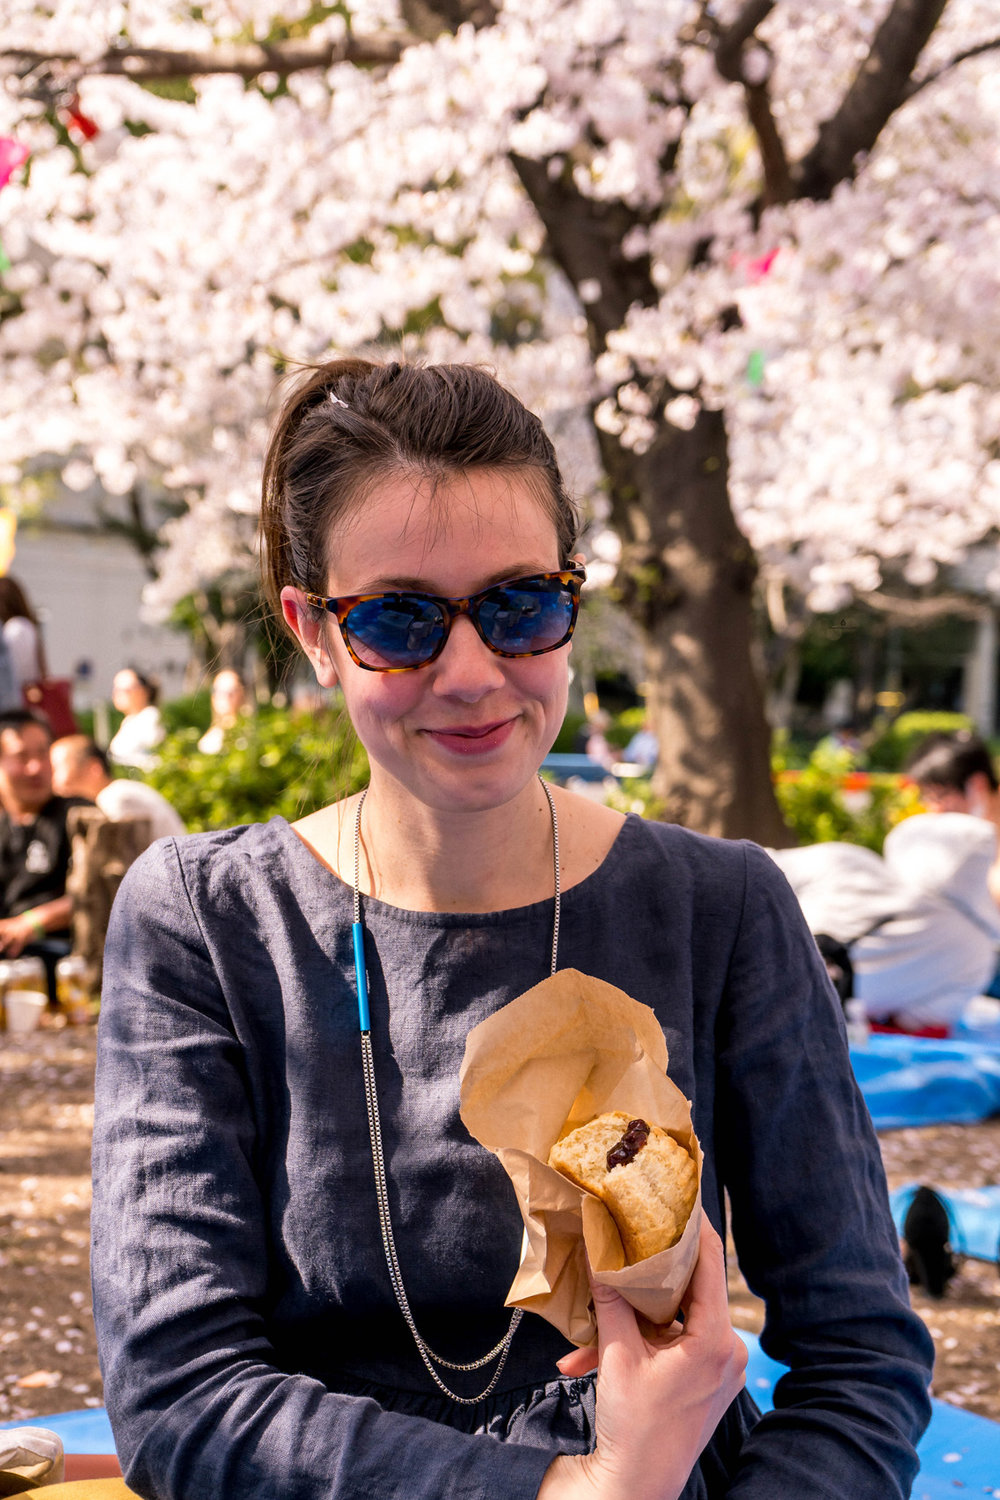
<point>128,694</point>
<point>469,729</point>
<point>227,697</point>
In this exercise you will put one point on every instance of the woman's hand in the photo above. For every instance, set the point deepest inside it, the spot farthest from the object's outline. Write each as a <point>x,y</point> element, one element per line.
<point>660,1393</point>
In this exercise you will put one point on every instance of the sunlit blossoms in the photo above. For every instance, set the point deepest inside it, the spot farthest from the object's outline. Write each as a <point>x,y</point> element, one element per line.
<point>167,263</point>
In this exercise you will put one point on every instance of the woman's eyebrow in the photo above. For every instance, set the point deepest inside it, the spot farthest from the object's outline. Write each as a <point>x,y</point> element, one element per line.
<point>407,585</point>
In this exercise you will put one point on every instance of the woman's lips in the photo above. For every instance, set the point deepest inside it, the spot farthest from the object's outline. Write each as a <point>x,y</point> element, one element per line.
<point>473,739</point>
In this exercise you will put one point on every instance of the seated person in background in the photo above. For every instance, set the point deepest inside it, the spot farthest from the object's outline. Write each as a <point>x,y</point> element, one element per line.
<point>595,742</point>
<point>955,774</point>
<point>921,922</point>
<point>141,729</point>
<point>35,911</point>
<point>228,701</point>
<point>643,749</point>
<point>80,769</point>
<point>845,738</point>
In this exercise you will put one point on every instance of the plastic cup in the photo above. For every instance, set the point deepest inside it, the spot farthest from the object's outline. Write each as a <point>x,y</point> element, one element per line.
<point>24,1009</point>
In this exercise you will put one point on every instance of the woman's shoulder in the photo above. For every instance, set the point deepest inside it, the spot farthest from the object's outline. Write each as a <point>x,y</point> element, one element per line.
<point>226,865</point>
<point>19,627</point>
<point>702,854</point>
<point>662,870</point>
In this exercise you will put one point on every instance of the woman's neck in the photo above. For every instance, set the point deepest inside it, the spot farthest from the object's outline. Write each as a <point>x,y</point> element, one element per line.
<point>425,860</point>
<point>494,860</point>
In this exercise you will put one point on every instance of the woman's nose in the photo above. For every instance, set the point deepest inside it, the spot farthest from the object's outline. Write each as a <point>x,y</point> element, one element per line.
<point>466,667</point>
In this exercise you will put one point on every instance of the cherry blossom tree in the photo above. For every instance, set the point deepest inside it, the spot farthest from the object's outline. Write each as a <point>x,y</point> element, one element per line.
<point>742,257</point>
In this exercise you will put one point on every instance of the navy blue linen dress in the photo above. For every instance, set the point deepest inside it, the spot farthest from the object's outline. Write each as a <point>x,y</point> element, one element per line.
<point>250,1342</point>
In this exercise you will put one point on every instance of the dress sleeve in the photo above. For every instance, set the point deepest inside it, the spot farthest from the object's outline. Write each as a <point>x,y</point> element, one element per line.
<point>811,1224</point>
<point>197,1401</point>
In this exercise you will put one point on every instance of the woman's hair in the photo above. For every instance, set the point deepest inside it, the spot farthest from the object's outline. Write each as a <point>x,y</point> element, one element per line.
<point>14,602</point>
<point>350,424</point>
<point>948,760</point>
<point>149,685</point>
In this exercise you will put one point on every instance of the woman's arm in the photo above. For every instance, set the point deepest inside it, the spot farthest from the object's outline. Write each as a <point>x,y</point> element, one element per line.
<point>183,1286</point>
<point>811,1222</point>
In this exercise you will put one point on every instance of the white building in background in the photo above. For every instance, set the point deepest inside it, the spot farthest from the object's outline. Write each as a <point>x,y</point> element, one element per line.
<point>980,574</point>
<point>86,586</point>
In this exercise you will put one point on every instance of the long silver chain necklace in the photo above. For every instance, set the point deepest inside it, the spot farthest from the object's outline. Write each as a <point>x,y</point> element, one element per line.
<point>500,1350</point>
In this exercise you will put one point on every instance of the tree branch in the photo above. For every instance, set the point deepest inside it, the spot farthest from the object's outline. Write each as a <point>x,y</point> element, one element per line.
<point>739,62</point>
<point>159,64</point>
<point>777,172</point>
<point>879,88</point>
<point>732,38</point>
<point>921,611</point>
<point>585,239</point>
<point>953,62</point>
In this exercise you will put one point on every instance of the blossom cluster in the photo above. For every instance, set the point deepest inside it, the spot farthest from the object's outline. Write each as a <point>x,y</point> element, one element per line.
<point>167,265</point>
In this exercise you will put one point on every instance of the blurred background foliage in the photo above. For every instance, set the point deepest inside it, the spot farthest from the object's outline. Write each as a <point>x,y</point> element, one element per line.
<point>294,760</point>
<point>278,761</point>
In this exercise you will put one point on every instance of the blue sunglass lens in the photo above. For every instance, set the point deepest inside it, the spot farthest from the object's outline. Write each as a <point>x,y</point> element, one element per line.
<point>532,616</point>
<point>395,630</point>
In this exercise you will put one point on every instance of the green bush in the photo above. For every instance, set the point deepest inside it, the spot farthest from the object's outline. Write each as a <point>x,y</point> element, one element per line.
<point>625,725</point>
<point>896,743</point>
<point>191,712</point>
<point>276,762</point>
<point>818,808</point>
<point>565,742</point>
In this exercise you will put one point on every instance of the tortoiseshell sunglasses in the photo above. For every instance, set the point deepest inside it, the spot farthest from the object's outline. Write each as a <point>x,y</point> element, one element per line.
<point>399,632</point>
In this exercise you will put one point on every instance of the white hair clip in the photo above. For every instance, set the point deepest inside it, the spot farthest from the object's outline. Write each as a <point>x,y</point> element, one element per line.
<point>337,401</point>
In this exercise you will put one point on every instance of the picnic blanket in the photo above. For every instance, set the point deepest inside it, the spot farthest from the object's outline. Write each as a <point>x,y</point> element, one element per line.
<point>959,1452</point>
<point>909,1080</point>
<point>959,1449</point>
<point>81,1431</point>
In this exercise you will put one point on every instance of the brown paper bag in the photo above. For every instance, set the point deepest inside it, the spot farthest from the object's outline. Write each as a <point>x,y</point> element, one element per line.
<point>569,1049</point>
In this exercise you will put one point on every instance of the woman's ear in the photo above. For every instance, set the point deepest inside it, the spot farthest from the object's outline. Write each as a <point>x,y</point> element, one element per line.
<point>311,633</point>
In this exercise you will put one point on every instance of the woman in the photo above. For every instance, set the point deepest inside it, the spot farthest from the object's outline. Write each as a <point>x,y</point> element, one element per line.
<point>21,633</point>
<point>254,1342</point>
<point>141,729</point>
<point>228,702</point>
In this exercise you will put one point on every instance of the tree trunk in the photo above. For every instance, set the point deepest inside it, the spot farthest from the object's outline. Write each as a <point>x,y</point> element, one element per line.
<point>687,571</point>
<point>686,577</point>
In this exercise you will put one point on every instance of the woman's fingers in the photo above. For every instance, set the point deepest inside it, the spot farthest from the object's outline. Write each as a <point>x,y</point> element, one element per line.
<point>616,1322</point>
<point>706,1304</point>
<point>577,1362</point>
<point>661,1389</point>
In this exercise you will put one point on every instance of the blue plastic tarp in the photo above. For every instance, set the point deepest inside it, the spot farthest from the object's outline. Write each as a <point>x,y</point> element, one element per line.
<point>909,1080</point>
<point>959,1449</point>
<point>81,1431</point>
<point>959,1453</point>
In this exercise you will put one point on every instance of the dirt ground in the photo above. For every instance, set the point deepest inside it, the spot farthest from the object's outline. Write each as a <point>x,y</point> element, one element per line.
<point>48,1356</point>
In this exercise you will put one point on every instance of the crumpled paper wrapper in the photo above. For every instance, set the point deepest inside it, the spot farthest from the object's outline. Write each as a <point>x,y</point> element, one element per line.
<point>569,1049</point>
<point>30,1459</point>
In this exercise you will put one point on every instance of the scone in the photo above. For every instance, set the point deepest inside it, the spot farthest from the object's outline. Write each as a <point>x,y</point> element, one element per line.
<point>647,1181</point>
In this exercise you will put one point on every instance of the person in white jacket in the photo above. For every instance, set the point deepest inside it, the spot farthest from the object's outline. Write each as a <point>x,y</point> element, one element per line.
<point>921,921</point>
<point>141,730</point>
<point>80,769</point>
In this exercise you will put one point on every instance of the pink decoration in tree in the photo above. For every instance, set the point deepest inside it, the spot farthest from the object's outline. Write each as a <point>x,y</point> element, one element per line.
<point>12,156</point>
